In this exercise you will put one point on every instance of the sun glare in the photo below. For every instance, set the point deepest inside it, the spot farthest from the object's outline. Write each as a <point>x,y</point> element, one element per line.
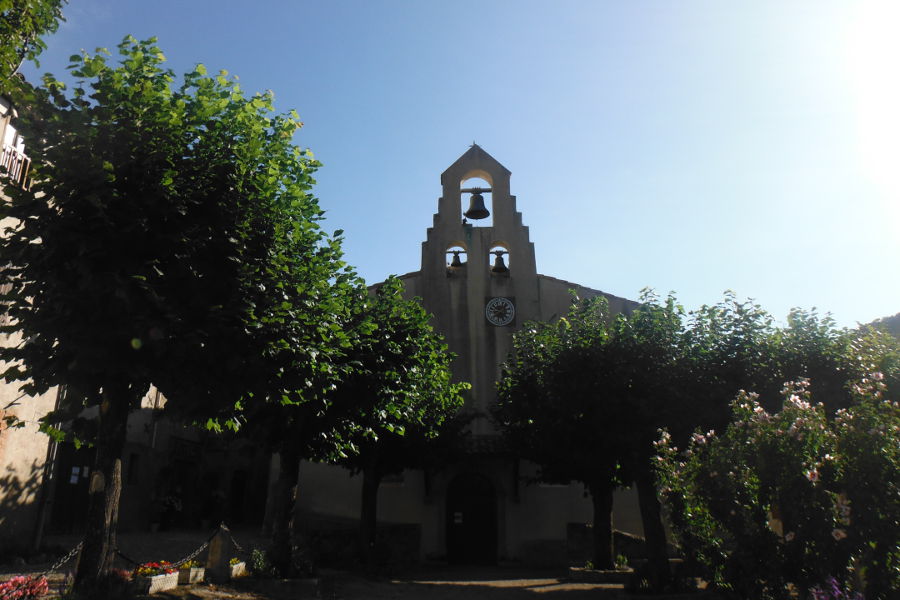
<point>872,68</point>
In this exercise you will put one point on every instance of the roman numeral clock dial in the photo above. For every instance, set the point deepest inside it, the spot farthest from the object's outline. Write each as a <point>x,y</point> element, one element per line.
<point>500,311</point>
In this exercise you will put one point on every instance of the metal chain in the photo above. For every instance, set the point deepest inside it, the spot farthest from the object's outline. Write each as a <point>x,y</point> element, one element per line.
<point>192,555</point>
<point>13,591</point>
<point>55,566</point>
<point>237,546</point>
<point>127,559</point>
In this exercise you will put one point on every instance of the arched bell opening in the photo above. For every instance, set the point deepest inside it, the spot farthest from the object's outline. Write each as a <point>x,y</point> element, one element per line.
<point>476,201</point>
<point>498,260</point>
<point>456,258</point>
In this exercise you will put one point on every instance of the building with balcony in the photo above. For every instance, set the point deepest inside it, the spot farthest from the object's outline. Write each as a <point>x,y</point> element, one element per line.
<point>14,162</point>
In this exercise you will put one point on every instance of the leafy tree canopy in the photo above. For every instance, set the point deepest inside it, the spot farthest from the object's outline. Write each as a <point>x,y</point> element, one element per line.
<point>401,377</point>
<point>169,238</point>
<point>22,24</point>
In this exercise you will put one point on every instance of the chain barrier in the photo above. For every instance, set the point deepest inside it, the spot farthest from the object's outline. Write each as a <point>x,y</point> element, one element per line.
<point>74,551</point>
<point>55,566</point>
<point>237,546</point>
<point>187,558</point>
<point>127,559</point>
<point>13,592</point>
<point>192,555</point>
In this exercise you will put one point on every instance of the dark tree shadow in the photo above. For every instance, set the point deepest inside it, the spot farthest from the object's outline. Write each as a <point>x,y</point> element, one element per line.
<point>21,493</point>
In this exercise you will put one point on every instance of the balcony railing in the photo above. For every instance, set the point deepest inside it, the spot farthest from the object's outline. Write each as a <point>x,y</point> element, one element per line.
<point>16,165</point>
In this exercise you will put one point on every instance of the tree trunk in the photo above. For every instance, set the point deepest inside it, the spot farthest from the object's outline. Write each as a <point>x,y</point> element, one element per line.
<point>368,519</point>
<point>654,534</point>
<point>602,498</point>
<point>99,550</point>
<point>285,501</point>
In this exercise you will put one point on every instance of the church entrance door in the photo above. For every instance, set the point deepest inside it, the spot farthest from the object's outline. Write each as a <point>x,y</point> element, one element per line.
<point>471,520</point>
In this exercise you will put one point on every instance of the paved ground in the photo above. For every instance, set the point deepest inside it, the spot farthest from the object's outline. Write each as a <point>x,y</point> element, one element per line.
<point>425,583</point>
<point>445,583</point>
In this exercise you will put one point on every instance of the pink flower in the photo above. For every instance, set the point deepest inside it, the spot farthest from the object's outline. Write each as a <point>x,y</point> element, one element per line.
<point>789,536</point>
<point>838,534</point>
<point>24,587</point>
<point>812,475</point>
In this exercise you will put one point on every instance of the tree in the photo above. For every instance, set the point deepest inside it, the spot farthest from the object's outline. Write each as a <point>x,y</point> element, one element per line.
<point>401,385</point>
<point>22,23</point>
<point>646,357</point>
<point>169,239</point>
<point>554,409</point>
<point>728,347</point>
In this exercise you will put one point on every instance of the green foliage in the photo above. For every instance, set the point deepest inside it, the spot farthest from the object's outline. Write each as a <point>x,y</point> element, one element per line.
<point>728,347</point>
<point>169,238</point>
<point>22,24</point>
<point>399,386</point>
<point>179,243</point>
<point>789,499</point>
<point>584,397</point>
<point>552,405</point>
<point>260,566</point>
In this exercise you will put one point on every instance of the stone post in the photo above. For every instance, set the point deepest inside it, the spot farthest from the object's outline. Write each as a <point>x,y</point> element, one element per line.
<point>218,569</point>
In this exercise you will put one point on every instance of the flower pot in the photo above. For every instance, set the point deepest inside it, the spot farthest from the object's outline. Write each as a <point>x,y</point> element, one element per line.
<point>191,575</point>
<point>239,570</point>
<point>156,583</point>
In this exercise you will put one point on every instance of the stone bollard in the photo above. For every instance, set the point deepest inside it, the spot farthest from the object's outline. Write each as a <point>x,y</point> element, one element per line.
<point>218,569</point>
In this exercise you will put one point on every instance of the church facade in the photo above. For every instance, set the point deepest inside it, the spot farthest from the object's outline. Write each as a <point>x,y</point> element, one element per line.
<point>481,284</point>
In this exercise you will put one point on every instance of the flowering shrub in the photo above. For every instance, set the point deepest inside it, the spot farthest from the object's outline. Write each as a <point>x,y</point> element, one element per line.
<point>149,569</point>
<point>23,587</point>
<point>191,564</point>
<point>833,592</point>
<point>867,470</point>
<point>788,499</point>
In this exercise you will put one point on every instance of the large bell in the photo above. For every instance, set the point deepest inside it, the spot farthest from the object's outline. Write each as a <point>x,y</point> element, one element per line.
<point>499,266</point>
<point>476,207</point>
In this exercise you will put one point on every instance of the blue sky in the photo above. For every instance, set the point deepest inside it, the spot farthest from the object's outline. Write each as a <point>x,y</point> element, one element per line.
<point>688,146</point>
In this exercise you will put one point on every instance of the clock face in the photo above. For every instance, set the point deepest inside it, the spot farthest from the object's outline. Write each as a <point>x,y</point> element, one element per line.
<point>500,311</point>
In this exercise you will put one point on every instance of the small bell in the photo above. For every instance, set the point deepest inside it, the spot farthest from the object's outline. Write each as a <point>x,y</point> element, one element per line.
<point>476,207</point>
<point>456,263</point>
<point>499,266</point>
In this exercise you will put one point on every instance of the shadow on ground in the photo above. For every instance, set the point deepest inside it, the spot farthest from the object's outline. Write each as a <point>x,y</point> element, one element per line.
<point>433,584</point>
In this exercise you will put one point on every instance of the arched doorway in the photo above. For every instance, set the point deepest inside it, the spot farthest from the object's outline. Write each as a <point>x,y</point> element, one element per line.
<point>471,520</point>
